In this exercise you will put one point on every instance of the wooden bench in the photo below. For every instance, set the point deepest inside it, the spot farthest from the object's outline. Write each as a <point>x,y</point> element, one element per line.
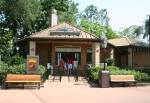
<point>123,79</point>
<point>22,79</point>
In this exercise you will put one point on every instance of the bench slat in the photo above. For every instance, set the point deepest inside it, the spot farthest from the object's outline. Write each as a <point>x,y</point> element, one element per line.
<point>23,81</point>
<point>23,78</point>
<point>123,78</point>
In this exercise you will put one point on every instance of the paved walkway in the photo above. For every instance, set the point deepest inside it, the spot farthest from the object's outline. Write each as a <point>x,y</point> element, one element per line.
<point>75,92</point>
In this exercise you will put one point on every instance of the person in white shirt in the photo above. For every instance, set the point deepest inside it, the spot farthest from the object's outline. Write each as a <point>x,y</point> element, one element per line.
<point>75,64</point>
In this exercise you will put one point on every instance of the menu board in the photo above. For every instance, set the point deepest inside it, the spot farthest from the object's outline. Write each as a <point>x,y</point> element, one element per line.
<point>32,64</point>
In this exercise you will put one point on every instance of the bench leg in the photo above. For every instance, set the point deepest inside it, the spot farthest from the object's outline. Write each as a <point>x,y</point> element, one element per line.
<point>38,85</point>
<point>5,85</point>
<point>76,75</point>
<point>68,77</point>
<point>135,84</point>
<point>23,85</point>
<point>53,78</point>
<point>60,77</point>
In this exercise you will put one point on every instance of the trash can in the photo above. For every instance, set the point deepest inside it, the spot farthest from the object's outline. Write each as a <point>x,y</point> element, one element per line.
<point>104,79</point>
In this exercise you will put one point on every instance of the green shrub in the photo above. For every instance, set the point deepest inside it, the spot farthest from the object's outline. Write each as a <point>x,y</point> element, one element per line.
<point>15,60</point>
<point>93,73</point>
<point>110,61</point>
<point>18,69</point>
<point>139,76</point>
<point>111,68</point>
<point>3,71</point>
<point>43,72</point>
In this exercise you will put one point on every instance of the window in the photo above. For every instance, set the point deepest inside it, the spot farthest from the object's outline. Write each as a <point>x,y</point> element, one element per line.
<point>89,56</point>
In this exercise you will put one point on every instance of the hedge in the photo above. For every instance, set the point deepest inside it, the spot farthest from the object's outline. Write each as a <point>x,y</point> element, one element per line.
<point>93,73</point>
<point>17,69</point>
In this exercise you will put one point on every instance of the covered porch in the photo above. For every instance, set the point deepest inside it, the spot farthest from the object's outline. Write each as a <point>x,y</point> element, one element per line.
<point>64,41</point>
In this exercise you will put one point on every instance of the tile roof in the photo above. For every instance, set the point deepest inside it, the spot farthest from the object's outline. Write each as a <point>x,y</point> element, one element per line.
<point>126,41</point>
<point>64,31</point>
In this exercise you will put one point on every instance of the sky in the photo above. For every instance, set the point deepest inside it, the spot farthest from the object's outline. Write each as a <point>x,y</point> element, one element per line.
<point>122,13</point>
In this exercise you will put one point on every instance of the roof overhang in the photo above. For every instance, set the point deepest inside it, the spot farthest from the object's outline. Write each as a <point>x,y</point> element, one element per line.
<point>61,39</point>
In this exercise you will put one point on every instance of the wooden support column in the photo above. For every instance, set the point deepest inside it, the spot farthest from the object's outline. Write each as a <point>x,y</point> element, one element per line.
<point>32,48</point>
<point>112,53</point>
<point>53,54</point>
<point>83,55</point>
<point>96,54</point>
<point>130,57</point>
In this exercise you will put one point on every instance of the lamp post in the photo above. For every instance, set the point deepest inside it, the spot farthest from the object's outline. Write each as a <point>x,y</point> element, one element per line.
<point>17,48</point>
<point>104,76</point>
<point>104,46</point>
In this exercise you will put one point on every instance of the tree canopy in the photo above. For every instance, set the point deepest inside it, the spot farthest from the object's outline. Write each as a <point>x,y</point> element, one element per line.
<point>70,15</point>
<point>20,18</point>
<point>97,29</point>
<point>96,21</point>
<point>133,31</point>
<point>94,15</point>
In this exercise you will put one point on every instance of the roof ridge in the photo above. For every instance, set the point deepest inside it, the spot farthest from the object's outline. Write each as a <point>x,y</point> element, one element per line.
<point>62,24</point>
<point>82,30</point>
<point>128,40</point>
<point>45,29</point>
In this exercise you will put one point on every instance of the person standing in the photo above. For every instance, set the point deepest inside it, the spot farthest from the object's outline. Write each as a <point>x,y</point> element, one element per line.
<point>69,66</point>
<point>61,63</point>
<point>61,68</point>
<point>75,63</point>
<point>75,66</point>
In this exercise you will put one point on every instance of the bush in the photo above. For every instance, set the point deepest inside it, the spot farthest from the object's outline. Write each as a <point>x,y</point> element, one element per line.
<point>110,61</point>
<point>3,71</point>
<point>43,72</point>
<point>15,60</point>
<point>93,73</point>
<point>17,69</point>
<point>139,76</point>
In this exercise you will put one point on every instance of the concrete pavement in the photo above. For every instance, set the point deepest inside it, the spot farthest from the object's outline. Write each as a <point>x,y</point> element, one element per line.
<point>75,92</point>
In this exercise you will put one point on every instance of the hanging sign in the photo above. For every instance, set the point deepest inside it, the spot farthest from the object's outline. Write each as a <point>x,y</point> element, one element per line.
<point>75,49</point>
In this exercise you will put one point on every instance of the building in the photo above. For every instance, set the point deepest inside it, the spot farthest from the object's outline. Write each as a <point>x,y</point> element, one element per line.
<point>129,52</point>
<point>63,41</point>
<point>67,41</point>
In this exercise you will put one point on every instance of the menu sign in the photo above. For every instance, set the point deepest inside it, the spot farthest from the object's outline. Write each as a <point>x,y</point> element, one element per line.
<point>32,64</point>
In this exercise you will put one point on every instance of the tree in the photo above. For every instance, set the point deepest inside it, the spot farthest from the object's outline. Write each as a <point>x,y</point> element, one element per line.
<point>92,14</point>
<point>96,22</point>
<point>133,31</point>
<point>20,18</point>
<point>97,29</point>
<point>20,14</point>
<point>5,43</point>
<point>24,17</point>
<point>147,28</point>
<point>70,15</point>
